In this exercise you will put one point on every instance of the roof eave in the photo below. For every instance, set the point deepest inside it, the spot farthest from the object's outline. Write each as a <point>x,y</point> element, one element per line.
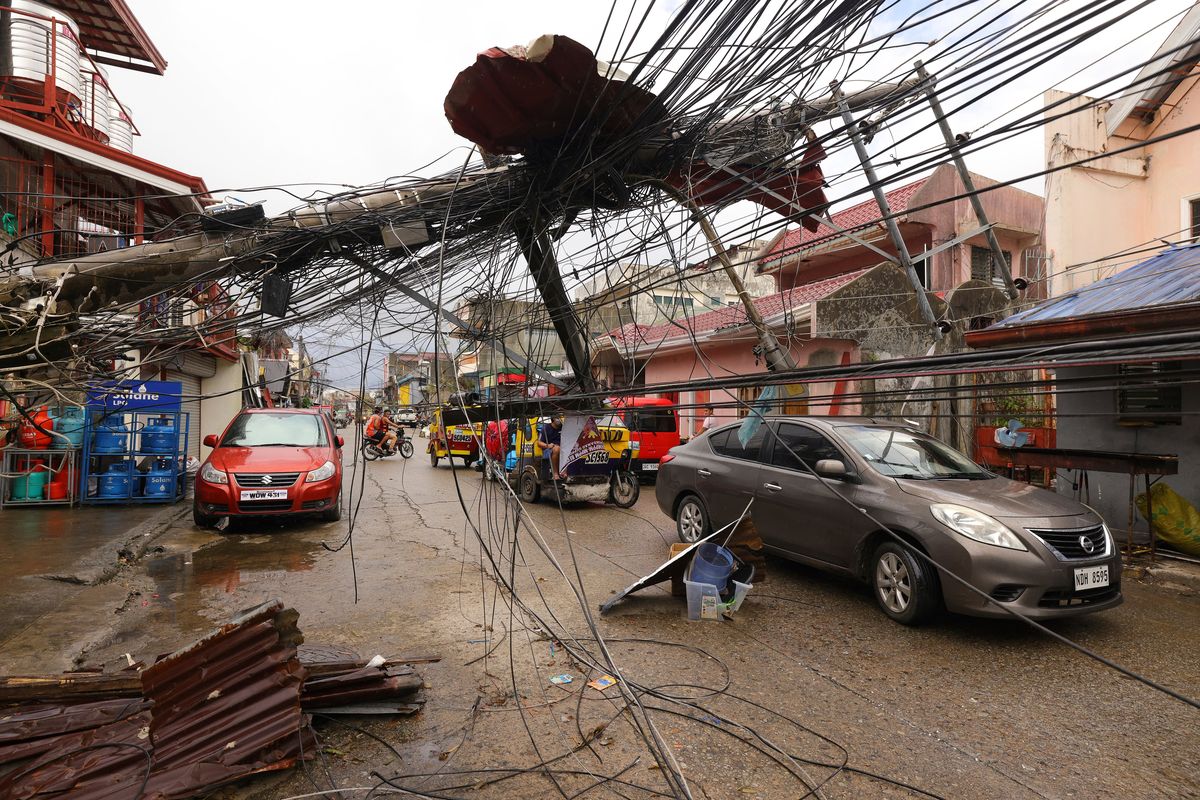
<point>1139,320</point>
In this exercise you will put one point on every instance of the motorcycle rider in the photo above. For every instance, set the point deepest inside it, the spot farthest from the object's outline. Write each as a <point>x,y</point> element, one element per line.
<point>378,430</point>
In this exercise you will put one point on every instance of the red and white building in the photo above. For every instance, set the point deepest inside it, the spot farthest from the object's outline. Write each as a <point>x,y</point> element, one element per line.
<point>71,182</point>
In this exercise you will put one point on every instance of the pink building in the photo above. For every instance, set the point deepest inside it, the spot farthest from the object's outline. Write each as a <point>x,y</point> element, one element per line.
<point>840,302</point>
<point>928,218</point>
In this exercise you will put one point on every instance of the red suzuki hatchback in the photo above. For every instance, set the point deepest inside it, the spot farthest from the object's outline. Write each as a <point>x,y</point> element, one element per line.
<point>271,461</point>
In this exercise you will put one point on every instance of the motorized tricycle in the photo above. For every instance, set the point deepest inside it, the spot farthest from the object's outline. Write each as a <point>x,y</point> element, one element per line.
<point>596,456</point>
<point>455,440</point>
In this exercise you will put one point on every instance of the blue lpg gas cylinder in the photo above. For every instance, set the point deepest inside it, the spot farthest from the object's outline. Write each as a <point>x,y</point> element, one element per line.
<point>115,482</point>
<point>160,480</point>
<point>111,436</point>
<point>159,436</point>
<point>69,422</point>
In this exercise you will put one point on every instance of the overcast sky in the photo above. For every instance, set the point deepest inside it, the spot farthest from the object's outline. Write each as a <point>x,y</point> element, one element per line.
<point>279,92</point>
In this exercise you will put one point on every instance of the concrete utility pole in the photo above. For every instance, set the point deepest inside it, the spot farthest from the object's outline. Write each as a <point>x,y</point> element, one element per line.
<point>776,356</point>
<point>968,183</point>
<point>860,147</point>
<point>543,266</point>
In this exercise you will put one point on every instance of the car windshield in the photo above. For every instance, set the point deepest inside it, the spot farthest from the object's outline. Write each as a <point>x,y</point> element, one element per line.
<point>609,421</point>
<point>907,454</point>
<point>275,430</point>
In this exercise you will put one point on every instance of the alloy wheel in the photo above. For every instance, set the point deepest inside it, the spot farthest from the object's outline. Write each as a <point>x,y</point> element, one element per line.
<point>691,522</point>
<point>893,583</point>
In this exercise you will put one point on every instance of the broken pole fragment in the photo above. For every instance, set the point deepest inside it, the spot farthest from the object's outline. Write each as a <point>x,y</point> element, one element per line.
<point>543,266</point>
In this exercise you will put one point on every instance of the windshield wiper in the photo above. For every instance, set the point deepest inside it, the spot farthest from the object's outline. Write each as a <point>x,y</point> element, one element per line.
<point>912,476</point>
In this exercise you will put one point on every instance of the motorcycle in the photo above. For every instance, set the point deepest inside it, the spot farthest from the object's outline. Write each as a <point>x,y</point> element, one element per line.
<point>372,451</point>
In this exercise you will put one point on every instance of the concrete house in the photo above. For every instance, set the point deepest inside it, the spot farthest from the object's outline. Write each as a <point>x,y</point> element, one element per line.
<point>1129,183</point>
<point>835,302</point>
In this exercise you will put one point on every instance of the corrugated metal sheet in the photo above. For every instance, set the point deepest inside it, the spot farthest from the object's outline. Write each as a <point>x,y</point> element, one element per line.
<point>226,707</point>
<point>1169,278</point>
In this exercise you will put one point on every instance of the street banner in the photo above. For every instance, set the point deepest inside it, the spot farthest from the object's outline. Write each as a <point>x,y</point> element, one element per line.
<point>582,441</point>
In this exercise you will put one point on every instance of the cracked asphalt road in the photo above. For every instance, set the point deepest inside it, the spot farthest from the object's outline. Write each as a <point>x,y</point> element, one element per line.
<point>961,708</point>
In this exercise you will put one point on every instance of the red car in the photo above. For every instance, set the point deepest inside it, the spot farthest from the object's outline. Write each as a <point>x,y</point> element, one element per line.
<point>654,424</point>
<point>271,461</point>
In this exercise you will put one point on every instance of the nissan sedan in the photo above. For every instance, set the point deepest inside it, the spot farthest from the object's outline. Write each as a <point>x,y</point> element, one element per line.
<point>858,496</point>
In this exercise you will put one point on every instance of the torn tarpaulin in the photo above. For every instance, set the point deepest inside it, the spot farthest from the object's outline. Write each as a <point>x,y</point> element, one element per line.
<point>524,99</point>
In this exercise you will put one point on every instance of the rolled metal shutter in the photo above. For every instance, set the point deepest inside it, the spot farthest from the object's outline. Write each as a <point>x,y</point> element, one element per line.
<point>191,406</point>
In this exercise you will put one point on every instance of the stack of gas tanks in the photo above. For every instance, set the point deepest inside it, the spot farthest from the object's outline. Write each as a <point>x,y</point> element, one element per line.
<point>40,466</point>
<point>134,457</point>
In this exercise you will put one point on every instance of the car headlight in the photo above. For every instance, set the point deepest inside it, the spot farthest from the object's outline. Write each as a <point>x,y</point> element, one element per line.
<point>210,474</point>
<point>321,473</point>
<point>975,525</point>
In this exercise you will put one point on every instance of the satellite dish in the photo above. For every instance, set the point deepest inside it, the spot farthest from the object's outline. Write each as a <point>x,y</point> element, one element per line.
<point>1011,435</point>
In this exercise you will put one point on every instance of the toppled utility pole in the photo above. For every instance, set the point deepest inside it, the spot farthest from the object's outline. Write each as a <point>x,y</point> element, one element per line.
<point>776,356</point>
<point>953,146</point>
<point>543,266</point>
<point>855,133</point>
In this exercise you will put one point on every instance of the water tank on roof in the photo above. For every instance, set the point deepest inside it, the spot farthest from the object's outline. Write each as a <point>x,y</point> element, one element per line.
<point>97,104</point>
<point>29,42</point>
<point>120,134</point>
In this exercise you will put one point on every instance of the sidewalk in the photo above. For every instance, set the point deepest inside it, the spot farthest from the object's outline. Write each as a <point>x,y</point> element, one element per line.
<point>47,555</point>
<point>1170,573</point>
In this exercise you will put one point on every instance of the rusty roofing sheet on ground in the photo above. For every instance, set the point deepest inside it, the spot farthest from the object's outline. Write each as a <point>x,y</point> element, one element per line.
<point>225,707</point>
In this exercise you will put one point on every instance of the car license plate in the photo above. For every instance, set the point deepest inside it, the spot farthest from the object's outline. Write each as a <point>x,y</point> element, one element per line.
<point>1091,578</point>
<point>268,494</point>
<point>650,467</point>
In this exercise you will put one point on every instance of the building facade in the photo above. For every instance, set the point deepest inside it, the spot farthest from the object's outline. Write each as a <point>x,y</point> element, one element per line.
<point>644,294</point>
<point>72,184</point>
<point>1124,182</point>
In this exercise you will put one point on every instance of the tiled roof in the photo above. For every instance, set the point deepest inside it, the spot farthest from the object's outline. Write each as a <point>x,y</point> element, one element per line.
<point>634,336</point>
<point>1171,277</point>
<point>854,217</point>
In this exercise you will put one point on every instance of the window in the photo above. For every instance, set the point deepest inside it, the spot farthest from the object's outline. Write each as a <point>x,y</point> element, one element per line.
<point>792,400</point>
<point>726,443</point>
<point>648,420</point>
<point>672,301</point>
<point>797,444</point>
<point>1194,208</point>
<point>900,453</point>
<point>276,430</point>
<point>983,267</point>
<point>1149,394</point>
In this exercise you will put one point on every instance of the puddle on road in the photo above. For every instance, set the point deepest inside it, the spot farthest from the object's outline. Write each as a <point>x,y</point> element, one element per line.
<point>181,579</point>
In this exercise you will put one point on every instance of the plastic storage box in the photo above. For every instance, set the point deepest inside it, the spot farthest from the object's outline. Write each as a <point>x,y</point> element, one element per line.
<point>704,601</point>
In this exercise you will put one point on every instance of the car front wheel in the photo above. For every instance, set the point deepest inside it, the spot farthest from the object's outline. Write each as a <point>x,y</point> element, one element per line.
<point>691,520</point>
<point>334,512</point>
<point>202,520</point>
<point>905,585</point>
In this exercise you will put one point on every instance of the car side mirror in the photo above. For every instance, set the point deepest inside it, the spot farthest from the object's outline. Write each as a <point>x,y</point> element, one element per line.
<point>831,468</point>
<point>210,440</point>
<point>340,441</point>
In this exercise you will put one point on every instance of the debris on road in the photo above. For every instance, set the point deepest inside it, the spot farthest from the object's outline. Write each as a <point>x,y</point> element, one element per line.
<point>744,542</point>
<point>230,705</point>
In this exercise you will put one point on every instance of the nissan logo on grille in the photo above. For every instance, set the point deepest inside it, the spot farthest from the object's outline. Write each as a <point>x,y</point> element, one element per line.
<point>266,479</point>
<point>1087,544</point>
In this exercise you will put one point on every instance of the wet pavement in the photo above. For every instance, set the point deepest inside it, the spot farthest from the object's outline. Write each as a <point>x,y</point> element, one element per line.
<point>809,674</point>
